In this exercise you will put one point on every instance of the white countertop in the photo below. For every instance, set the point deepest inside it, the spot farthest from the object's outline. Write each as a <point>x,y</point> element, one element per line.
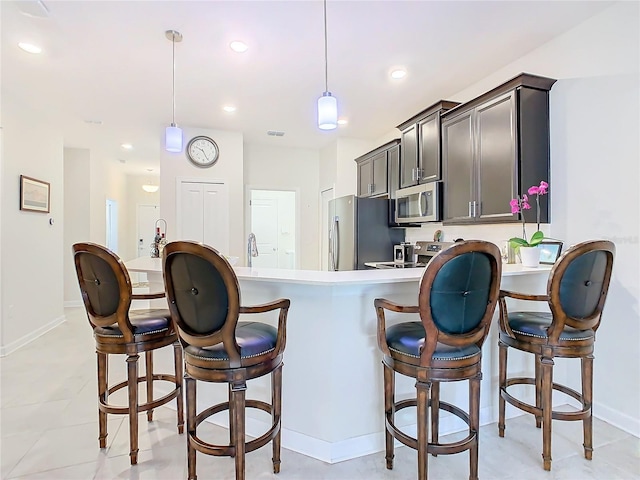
<point>316,277</point>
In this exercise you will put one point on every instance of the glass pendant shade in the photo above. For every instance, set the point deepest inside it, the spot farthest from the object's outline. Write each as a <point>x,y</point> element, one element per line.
<point>173,139</point>
<point>327,112</point>
<point>150,188</point>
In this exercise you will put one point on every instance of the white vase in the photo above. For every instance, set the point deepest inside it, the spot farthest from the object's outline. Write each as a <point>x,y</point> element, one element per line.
<point>529,256</point>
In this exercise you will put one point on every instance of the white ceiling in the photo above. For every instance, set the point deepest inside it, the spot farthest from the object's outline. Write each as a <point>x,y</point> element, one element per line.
<point>109,61</point>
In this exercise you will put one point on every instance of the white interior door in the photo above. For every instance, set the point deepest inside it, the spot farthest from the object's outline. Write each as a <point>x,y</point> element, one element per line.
<point>190,215</point>
<point>264,225</point>
<point>112,225</point>
<point>215,216</point>
<point>203,214</point>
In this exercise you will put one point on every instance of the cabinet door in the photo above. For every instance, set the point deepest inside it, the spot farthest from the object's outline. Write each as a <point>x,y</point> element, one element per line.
<point>380,174</point>
<point>496,157</point>
<point>429,155</point>
<point>409,157</point>
<point>457,159</point>
<point>393,157</point>
<point>365,178</point>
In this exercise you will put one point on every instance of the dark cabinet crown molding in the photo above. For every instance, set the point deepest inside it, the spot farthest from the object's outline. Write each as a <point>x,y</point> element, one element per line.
<point>441,105</point>
<point>379,149</point>
<point>522,80</point>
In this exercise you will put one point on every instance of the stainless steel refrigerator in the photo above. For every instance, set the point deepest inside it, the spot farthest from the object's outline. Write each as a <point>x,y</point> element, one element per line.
<point>359,232</point>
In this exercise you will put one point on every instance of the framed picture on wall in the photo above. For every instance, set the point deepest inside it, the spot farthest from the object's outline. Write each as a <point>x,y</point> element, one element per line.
<point>549,251</point>
<point>34,194</point>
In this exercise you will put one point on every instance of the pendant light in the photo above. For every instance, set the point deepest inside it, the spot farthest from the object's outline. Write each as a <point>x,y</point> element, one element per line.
<point>173,135</point>
<point>327,104</point>
<point>151,186</point>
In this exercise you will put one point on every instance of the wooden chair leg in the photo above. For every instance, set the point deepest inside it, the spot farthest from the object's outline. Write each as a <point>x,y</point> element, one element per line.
<point>538,373</point>
<point>587,399</point>
<point>177,358</point>
<point>474,424</point>
<point>435,412</point>
<point>502,384</point>
<point>232,423</point>
<point>546,364</point>
<point>132,376</point>
<point>103,370</point>
<point>276,410</point>
<point>423,391</point>
<point>389,412</point>
<point>238,440</point>
<point>148,362</point>
<point>190,386</point>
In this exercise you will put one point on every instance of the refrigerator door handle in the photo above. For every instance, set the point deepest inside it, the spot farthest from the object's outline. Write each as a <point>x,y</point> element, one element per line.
<point>332,266</point>
<point>334,245</point>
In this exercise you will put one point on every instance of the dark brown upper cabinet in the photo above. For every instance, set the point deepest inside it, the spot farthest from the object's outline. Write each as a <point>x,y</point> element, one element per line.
<point>494,148</point>
<point>420,159</point>
<point>376,170</point>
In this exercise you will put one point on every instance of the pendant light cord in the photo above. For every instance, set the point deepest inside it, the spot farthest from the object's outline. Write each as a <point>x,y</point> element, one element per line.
<point>326,67</point>
<point>173,79</point>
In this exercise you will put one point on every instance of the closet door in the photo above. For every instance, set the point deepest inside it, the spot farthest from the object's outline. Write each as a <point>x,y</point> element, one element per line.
<point>204,214</point>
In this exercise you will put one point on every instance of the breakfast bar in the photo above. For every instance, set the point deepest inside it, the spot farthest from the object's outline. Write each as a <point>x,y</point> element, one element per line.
<point>332,378</point>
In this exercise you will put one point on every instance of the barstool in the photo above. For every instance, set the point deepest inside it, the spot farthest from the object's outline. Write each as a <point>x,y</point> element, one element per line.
<point>107,294</point>
<point>204,299</point>
<point>457,298</point>
<point>576,291</point>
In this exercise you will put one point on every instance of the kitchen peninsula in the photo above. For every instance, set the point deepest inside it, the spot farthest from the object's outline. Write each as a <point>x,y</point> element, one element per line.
<point>332,378</point>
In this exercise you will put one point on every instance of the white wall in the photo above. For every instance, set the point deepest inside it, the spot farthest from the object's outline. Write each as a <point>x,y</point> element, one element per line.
<point>77,163</point>
<point>276,168</point>
<point>229,169</point>
<point>595,172</point>
<point>32,291</point>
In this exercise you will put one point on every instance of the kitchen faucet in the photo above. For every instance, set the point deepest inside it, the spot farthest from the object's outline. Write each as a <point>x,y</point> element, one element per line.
<point>252,248</point>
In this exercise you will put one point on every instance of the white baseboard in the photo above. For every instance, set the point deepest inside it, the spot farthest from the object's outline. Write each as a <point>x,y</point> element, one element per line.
<point>618,419</point>
<point>21,342</point>
<point>73,303</point>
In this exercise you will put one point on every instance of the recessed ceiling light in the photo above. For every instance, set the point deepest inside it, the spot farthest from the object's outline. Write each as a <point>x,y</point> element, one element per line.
<point>29,47</point>
<point>127,146</point>
<point>343,121</point>
<point>229,108</point>
<point>238,46</point>
<point>398,74</point>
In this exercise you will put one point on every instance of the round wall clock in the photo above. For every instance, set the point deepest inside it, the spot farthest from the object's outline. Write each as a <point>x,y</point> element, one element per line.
<point>202,151</point>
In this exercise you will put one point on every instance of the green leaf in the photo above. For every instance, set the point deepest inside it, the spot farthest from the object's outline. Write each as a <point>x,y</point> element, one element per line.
<point>517,242</point>
<point>536,238</point>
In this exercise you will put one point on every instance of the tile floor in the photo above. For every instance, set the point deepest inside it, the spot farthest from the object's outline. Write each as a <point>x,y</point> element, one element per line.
<point>48,426</point>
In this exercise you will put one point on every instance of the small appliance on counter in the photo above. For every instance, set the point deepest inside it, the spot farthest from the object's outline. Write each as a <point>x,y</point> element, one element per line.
<point>404,253</point>
<point>421,254</point>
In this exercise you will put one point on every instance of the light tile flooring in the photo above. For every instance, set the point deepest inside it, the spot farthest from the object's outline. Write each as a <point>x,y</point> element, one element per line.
<point>49,431</point>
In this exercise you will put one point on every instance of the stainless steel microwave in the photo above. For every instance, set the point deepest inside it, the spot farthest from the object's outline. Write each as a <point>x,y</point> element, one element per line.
<point>418,204</point>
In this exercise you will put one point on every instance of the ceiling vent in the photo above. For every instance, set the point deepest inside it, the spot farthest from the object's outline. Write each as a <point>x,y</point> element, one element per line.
<point>275,133</point>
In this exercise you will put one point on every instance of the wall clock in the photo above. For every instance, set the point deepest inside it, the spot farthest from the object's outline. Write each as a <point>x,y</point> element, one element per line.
<point>202,151</point>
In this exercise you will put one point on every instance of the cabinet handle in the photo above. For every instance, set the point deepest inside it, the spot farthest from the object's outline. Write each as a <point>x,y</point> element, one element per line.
<point>373,187</point>
<point>419,173</point>
<point>413,174</point>
<point>470,210</point>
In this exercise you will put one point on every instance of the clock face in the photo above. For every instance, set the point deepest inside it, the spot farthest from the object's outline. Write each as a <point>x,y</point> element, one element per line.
<point>202,151</point>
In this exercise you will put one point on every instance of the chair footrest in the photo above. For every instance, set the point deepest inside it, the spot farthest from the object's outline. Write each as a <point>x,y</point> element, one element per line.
<point>537,411</point>
<point>433,448</point>
<point>229,450</point>
<point>142,407</point>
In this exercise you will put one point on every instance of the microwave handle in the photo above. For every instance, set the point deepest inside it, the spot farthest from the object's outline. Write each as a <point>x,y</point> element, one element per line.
<point>421,196</point>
